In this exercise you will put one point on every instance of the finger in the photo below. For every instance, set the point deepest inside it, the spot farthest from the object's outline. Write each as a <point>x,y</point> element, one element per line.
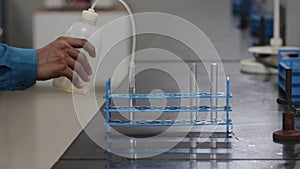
<point>77,67</point>
<point>82,43</point>
<point>82,59</point>
<point>71,75</point>
<point>90,49</point>
<point>75,42</point>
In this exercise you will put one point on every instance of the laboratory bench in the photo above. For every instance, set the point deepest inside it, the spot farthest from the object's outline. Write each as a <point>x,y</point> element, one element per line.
<point>255,117</point>
<point>255,114</point>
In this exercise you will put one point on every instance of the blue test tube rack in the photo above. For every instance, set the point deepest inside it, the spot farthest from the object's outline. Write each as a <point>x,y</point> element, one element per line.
<point>109,109</point>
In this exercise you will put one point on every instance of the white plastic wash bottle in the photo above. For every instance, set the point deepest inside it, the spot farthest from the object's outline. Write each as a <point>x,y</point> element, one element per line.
<point>82,29</point>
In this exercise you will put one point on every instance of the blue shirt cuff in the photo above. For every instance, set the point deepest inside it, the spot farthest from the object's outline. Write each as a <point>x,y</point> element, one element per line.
<point>24,68</point>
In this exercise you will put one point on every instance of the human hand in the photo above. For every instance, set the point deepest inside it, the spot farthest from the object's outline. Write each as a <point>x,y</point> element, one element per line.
<point>60,57</point>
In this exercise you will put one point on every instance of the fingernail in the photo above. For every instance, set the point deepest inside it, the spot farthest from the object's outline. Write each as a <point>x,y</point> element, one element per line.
<point>80,85</point>
<point>89,77</point>
<point>91,72</point>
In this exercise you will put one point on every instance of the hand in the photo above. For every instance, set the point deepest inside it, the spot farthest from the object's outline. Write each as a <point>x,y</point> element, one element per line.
<point>60,57</point>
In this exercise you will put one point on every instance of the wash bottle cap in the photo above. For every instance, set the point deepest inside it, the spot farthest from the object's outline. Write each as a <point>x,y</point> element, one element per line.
<point>89,15</point>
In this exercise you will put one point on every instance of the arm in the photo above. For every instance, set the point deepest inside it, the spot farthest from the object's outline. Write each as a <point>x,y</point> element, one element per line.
<point>17,68</point>
<point>20,68</point>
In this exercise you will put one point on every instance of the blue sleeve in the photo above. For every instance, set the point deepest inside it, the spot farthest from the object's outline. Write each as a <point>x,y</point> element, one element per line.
<point>18,68</point>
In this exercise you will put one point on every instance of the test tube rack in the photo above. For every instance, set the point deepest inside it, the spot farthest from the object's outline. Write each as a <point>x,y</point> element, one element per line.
<point>109,109</point>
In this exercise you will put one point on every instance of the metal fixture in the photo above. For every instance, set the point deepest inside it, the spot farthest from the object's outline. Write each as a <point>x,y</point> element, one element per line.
<point>288,132</point>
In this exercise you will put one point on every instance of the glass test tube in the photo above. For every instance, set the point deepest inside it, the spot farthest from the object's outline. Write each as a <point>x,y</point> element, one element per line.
<point>132,91</point>
<point>193,90</point>
<point>214,90</point>
<point>193,148</point>
<point>133,154</point>
<point>131,104</point>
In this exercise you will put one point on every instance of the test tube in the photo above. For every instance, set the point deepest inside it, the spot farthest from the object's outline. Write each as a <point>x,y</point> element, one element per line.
<point>131,104</point>
<point>214,90</point>
<point>133,154</point>
<point>193,90</point>
<point>131,92</point>
<point>213,152</point>
<point>193,148</point>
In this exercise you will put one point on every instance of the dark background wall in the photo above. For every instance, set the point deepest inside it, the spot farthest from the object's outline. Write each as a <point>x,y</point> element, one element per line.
<point>19,21</point>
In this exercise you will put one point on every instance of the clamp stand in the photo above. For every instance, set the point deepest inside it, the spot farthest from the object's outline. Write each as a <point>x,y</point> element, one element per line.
<point>288,133</point>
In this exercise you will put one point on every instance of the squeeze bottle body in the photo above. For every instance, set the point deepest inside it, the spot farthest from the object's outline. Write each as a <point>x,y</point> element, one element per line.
<point>83,29</point>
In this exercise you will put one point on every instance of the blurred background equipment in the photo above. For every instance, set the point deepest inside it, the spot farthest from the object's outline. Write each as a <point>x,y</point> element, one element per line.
<point>78,4</point>
<point>285,63</point>
<point>265,61</point>
<point>239,6</point>
<point>56,4</point>
<point>261,19</point>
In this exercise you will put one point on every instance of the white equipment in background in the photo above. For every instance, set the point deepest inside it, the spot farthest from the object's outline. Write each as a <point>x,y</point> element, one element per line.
<point>251,65</point>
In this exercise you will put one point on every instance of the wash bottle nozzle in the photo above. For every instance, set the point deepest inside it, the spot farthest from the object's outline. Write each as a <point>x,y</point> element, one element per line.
<point>89,15</point>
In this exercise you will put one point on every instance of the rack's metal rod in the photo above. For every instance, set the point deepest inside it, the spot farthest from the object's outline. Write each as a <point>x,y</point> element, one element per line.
<point>227,105</point>
<point>107,105</point>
